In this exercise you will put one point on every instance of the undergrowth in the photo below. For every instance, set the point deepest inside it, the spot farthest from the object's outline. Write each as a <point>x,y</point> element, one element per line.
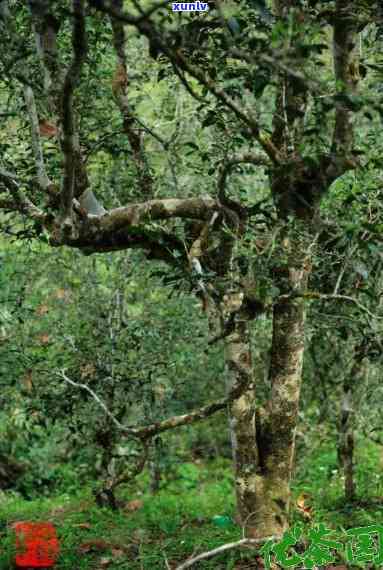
<point>192,513</point>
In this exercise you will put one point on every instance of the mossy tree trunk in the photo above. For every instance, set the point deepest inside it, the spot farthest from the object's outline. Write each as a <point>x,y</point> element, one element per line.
<point>276,425</point>
<point>242,417</point>
<point>263,439</point>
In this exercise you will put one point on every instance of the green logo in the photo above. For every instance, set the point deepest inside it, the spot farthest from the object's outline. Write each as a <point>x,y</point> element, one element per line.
<point>364,545</point>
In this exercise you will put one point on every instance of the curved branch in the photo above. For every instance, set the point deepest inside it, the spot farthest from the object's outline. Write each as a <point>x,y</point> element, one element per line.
<point>123,228</point>
<point>157,244</point>
<point>237,213</point>
<point>229,164</point>
<point>150,430</point>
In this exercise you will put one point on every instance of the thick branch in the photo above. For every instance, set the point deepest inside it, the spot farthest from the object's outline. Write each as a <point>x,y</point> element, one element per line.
<point>70,143</point>
<point>157,243</point>
<point>120,91</point>
<point>42,176</point>
<point>192,208</point>
<point>346,68</point>
<point>124,228</point>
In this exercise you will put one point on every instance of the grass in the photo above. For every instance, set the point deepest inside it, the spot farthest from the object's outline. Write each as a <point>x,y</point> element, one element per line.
<point>191,514</point>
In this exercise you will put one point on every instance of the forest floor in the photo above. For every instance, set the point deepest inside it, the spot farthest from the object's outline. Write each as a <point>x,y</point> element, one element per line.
<point>191,514</point>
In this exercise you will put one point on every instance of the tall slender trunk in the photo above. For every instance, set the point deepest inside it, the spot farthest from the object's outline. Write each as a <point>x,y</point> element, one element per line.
<point>346,442</point>
<point>154,464</point>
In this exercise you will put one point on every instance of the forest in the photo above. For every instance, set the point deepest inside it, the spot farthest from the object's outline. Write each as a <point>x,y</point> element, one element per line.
<point>191,284</point>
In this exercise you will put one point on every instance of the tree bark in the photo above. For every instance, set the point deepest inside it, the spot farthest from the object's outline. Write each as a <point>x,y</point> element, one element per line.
<point>155,464</point>
<point>242,419</point>
<point>346,442</point>
<point>346,445</point>
<point>264,440</point>
<point>277,429</point>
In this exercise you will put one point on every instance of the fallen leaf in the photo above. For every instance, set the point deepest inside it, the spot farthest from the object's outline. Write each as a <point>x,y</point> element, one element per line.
<point>62,294</point>
<point>95,545</point>
<point>42,310</point>
<point>302,507</point>
<point>133,505</point>
<point>27,380</point>
<point>83,525</point>
<point>44,338</point>
<point>105,562</point>
<point>47,129</point>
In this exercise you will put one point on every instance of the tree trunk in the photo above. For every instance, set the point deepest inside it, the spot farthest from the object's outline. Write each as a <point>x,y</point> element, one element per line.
<point>264,441</point>
<point>242,419</point>
<point>346,445</point>
<point>346,427</point>
<point>277,425</point>
<point>155,455</point>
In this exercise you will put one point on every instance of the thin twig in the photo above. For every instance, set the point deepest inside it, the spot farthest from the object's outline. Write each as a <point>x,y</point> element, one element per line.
<point>343,269</point>
<point>224,548</point>
<point>320,296</point>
